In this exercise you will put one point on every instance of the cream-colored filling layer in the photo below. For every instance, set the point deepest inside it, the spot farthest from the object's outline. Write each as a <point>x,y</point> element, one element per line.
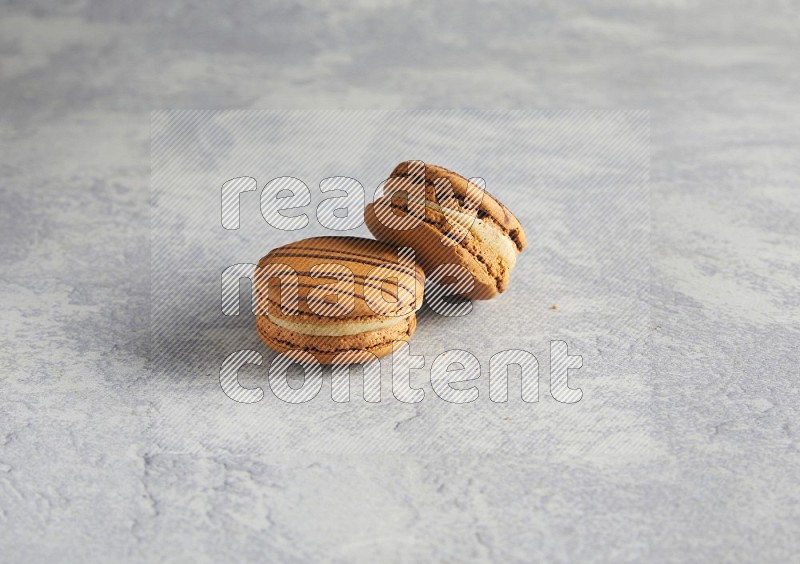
<point>337,329</point>
<point>486,232</point>
<point>482,230</point>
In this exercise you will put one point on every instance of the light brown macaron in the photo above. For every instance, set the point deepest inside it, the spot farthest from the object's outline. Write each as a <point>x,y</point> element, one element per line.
<point>448,220</point>
<point>338,298</point>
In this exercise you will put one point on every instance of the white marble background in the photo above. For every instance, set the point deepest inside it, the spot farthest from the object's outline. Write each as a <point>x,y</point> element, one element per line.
<point>86,474</point>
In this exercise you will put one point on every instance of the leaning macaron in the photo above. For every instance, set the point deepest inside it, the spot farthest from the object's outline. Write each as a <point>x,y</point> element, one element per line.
<point>342,299</point>
<point>447,220</point>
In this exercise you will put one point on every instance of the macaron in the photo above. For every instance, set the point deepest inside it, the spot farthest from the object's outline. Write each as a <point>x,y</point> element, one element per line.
<point>342,299</point>
<point>448,220</point>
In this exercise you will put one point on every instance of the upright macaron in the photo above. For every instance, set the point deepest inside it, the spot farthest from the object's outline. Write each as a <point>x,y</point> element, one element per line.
<point>447,220</point>
<point>338,298</point>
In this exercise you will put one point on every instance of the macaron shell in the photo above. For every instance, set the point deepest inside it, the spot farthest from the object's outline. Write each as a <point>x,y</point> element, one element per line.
<point>379,286</point>
<point>463,188</point>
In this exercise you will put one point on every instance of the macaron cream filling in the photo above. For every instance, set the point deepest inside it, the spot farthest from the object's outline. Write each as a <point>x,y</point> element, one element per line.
<point>484,231</point>
<point>337,329</point>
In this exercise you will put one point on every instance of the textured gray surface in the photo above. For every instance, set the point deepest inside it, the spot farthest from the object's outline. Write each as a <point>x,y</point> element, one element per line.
<point>88,470</point>
<point>577,182</point>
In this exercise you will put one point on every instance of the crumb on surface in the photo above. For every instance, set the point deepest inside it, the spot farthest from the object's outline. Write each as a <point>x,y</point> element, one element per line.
<point>554,307</point>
